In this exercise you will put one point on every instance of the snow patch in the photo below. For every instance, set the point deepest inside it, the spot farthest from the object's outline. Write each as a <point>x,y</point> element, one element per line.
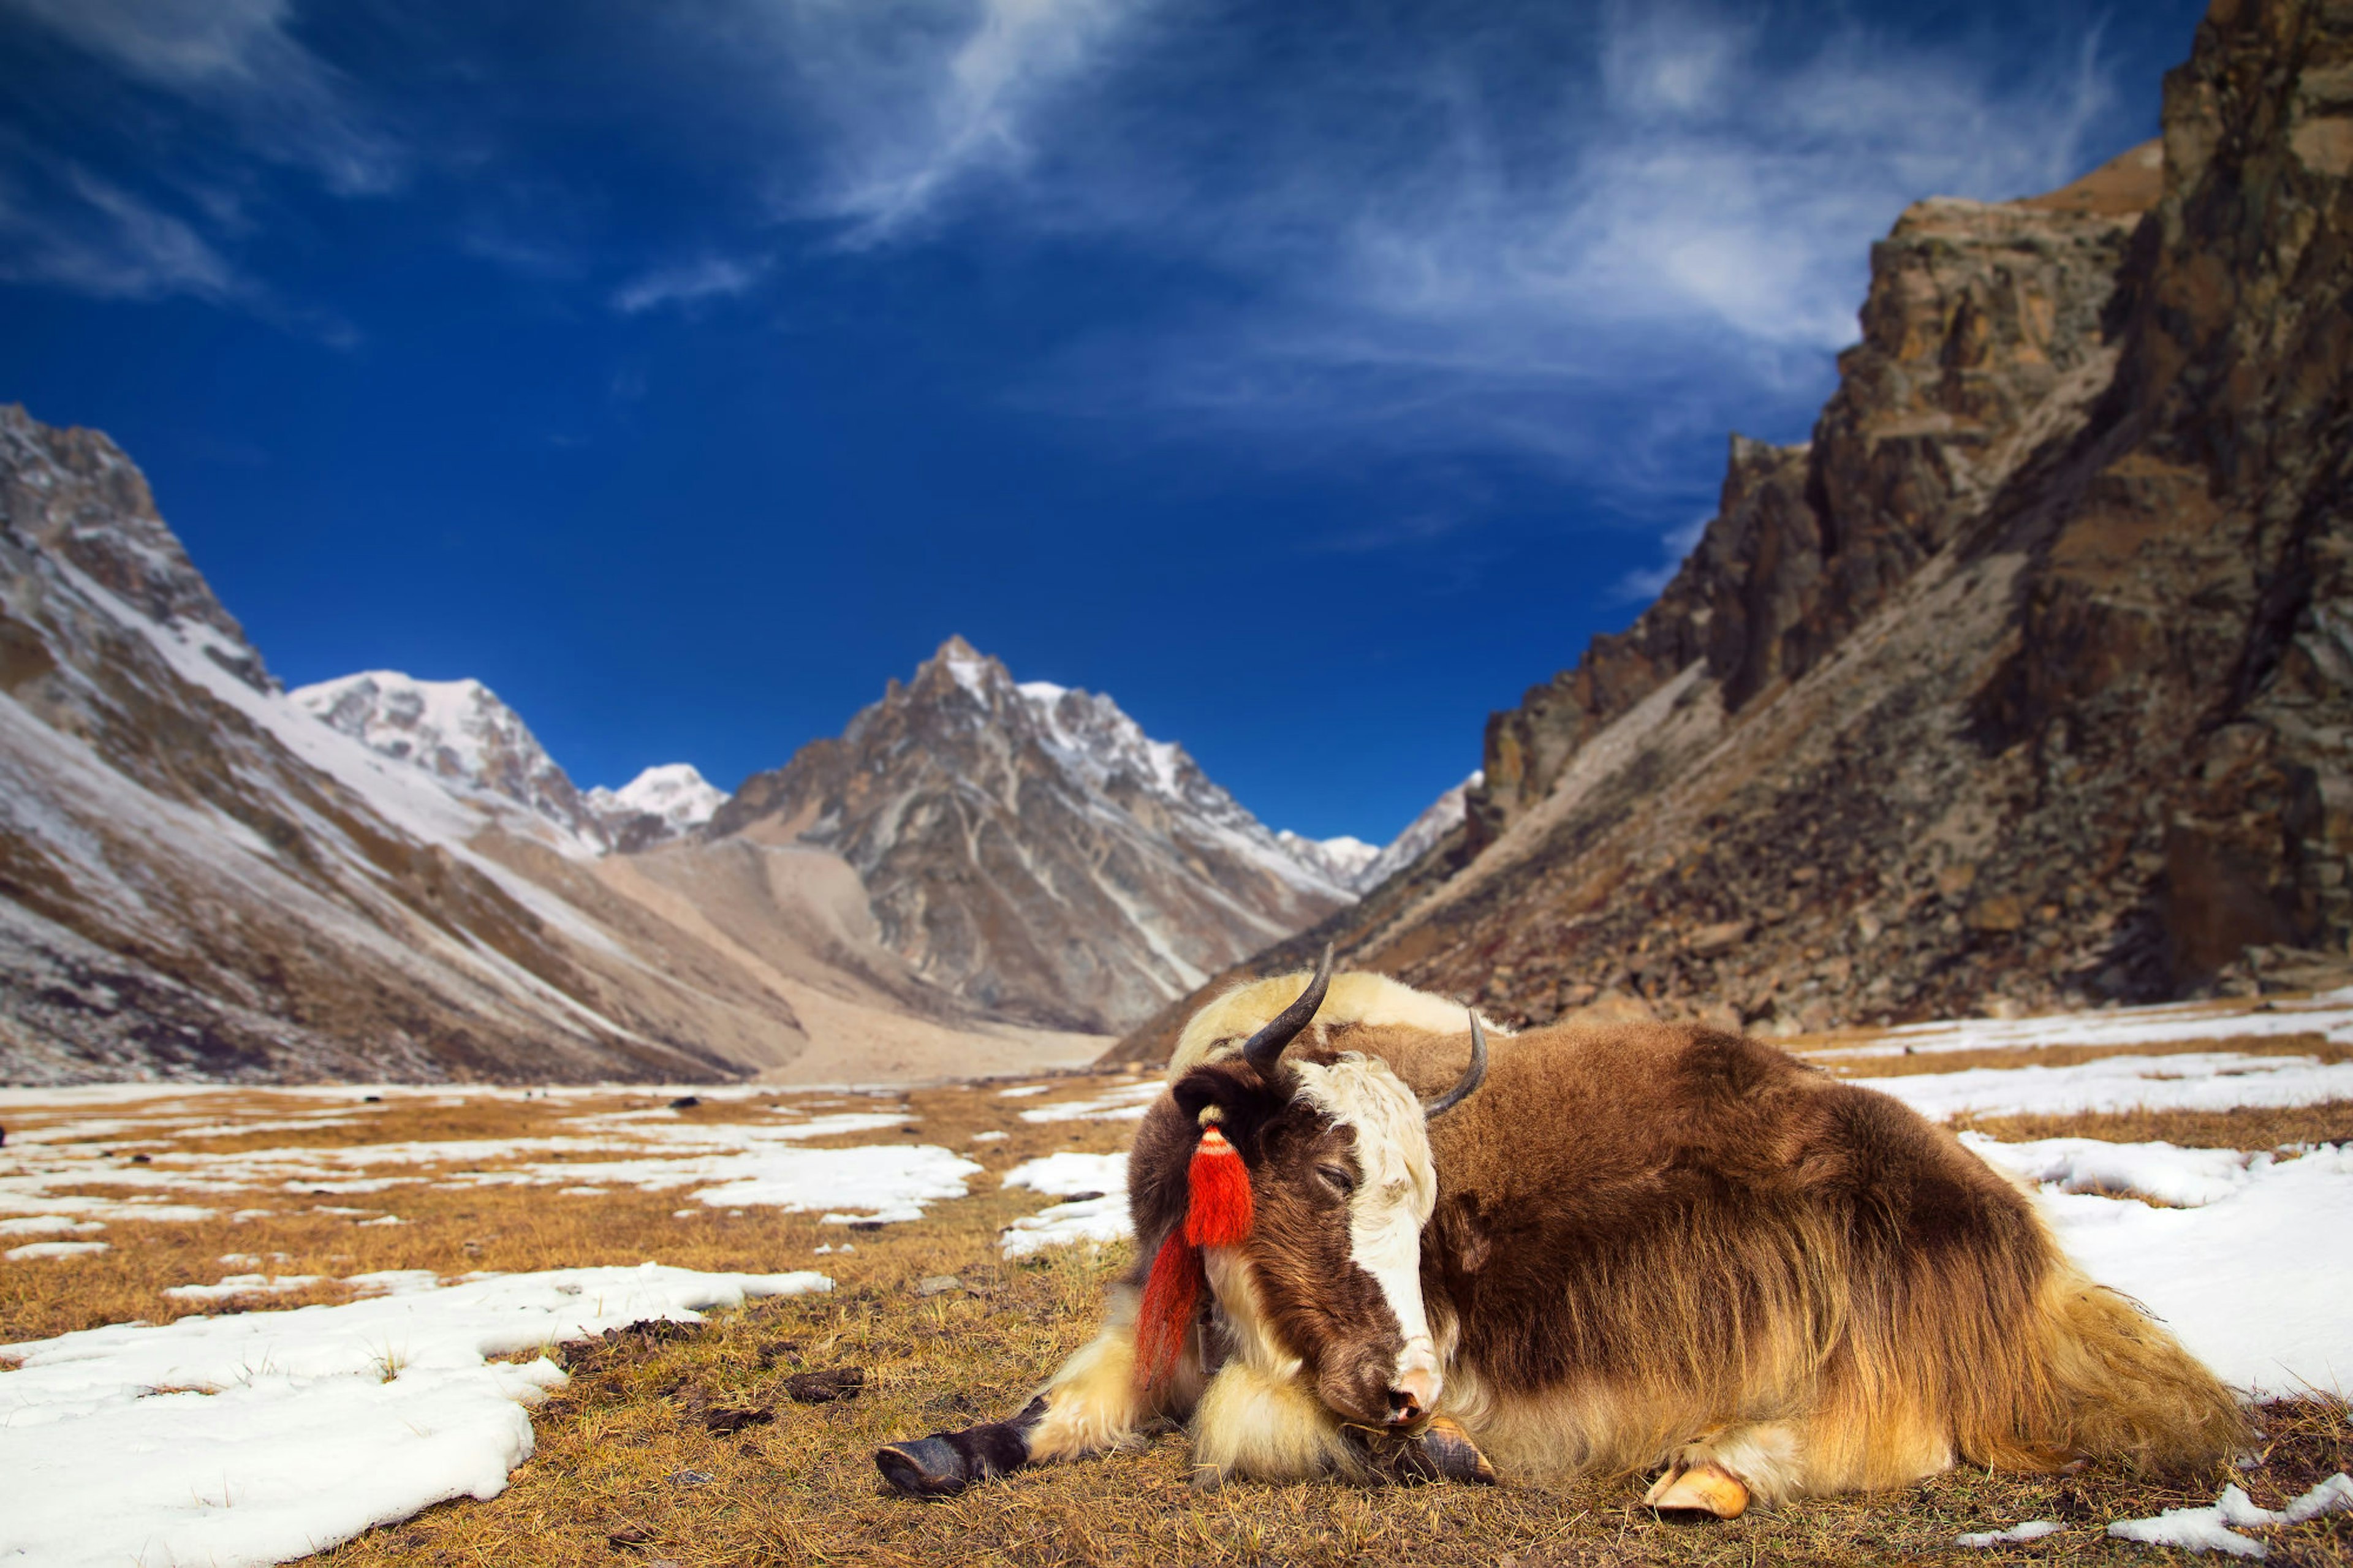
<point>289,1432</point>
<point>1099,1215</point>
<point>32,1250</point>
<point>2031,1530</point>
<point>2216,1529</point>
<point>2206,1081</point>
<point>2250,1274</point>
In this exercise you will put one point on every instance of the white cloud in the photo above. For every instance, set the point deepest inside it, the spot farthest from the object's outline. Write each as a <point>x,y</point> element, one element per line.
<point>1648,583</point>
<point>83,233</point>
<point>687,283</point>
<point>106,242</point>
<point>1443,242</point>
<point>239,60</point>
<point>914,98</point>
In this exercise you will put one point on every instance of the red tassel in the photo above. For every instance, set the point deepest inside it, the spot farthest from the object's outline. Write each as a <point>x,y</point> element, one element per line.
<point>1166,1315</point>
<point>1218,1213</point>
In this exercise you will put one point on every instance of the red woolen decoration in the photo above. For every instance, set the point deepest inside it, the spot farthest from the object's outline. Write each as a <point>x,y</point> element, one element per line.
<point>1166,1312</point>
<point>1218,1213</point>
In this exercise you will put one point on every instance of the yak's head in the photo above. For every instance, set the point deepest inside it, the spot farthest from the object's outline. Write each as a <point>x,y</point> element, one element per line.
<point>1342,1183</point>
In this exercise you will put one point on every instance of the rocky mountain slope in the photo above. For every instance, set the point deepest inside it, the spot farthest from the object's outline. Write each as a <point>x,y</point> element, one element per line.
<point>2027,682</point>
<point>469,741</point>
<point>199,878</point>
<point>1029,849</point>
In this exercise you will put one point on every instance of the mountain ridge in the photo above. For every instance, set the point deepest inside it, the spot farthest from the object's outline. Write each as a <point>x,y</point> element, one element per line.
<point>2025,683</point>
<point>1025,846</point>
<point>200,879</point>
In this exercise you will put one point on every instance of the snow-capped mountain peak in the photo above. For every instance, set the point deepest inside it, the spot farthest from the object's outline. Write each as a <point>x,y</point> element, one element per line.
<point>461,734</point>
<point>1437,819</point>
<point>458,729</point>
<point>1028,846</point>
<point>1341,860</point>
<point>675,791</point>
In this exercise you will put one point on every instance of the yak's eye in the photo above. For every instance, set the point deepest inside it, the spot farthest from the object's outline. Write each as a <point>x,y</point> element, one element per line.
<point>1341,1181</point>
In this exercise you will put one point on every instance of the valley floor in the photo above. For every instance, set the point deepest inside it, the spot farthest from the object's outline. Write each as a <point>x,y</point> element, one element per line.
<point>238,1325</point>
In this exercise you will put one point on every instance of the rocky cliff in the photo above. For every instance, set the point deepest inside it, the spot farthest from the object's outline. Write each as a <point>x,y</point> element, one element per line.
<point>1029,849</point>
<point>2027,681</point>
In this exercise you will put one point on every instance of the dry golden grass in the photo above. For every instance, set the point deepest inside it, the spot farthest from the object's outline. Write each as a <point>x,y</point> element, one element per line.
<point>632,1467</point>
<point>684,1447</point>
<point>458,1229</point>
<point>2244,1127</point>
<point>1846,1064</point>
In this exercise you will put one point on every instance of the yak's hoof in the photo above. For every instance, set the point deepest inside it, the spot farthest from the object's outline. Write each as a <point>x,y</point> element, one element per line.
<point>922,1467</point>
<point>1441,1451</point>
<point>1706,1487</point>
<point>1451,1453</point>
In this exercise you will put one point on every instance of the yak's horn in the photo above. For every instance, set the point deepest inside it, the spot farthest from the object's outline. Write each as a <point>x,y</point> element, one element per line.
<point>1472,1076</point>
<point>1261,1049</point>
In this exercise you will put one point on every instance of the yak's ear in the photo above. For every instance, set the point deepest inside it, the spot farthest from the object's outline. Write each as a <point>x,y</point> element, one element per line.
<point>1244,1100</point>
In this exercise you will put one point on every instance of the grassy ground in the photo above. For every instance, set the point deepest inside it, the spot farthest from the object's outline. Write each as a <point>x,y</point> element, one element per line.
<point>647,1457</point>
<point>687,1447</point>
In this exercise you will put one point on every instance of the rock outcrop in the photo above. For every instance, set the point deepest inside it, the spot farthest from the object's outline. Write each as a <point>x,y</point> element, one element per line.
<point>1029,849</point>
<point>2027,682</point>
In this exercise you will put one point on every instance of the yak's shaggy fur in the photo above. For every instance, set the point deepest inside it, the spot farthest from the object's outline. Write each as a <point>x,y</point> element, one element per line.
<point>1651,1246</point>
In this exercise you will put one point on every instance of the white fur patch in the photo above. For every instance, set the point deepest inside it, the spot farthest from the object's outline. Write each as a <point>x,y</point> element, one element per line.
<point>1396,1190</point>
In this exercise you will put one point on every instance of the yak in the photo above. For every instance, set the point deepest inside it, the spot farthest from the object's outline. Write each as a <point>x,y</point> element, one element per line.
<point>1376,1246</point>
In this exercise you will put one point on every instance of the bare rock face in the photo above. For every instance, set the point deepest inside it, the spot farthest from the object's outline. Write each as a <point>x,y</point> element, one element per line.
<point>2027,682</point>
<point>1028,848</point>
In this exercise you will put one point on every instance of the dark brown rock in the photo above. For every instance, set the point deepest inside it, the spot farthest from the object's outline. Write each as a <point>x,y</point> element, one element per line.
<point>826,1386</point>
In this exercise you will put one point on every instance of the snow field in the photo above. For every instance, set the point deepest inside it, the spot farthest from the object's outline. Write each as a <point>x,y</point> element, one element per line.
<point>729,1164</point>
<point>268,1436</point>
<point>2170,1024</point>
<point>2215,1081</point>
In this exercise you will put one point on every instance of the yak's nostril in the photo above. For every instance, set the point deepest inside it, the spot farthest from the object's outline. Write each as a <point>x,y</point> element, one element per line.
<point>1412,1398</point>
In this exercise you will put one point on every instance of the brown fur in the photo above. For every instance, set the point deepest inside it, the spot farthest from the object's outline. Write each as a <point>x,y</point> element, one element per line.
<point>1654,1231</point>
<point>1652,1246</point>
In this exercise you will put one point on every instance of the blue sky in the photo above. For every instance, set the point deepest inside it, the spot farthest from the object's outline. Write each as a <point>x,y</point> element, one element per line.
<point>1313,379</point>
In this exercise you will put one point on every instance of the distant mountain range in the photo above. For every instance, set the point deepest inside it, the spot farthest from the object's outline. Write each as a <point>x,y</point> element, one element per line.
<point>2026,683</point>
<point>381,876</point>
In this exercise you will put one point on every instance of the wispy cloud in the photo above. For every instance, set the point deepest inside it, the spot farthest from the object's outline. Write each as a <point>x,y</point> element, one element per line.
<point>239,60</point>
<point>1466,231</point>
<point>74,230</point>
<point>97,238</point>
<point>688,283</point>
<point>1645,583</point>
<point>917,98</point>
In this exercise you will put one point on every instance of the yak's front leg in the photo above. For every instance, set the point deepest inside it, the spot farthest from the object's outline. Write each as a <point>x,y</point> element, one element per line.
<point>1091,1407</point>
<point>1725,1467</point>
<point>945,1463</point>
